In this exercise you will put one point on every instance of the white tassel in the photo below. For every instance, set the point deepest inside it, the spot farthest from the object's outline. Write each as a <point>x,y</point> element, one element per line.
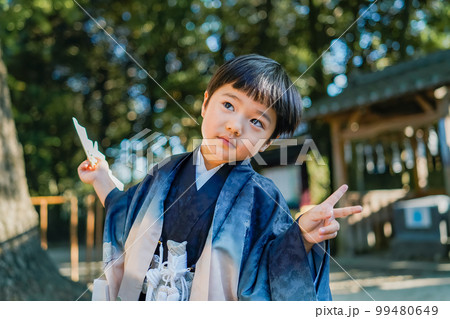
<point>169,272</point>
<point>153,279</point>
<point>162,293</point>
<point>173,294</point>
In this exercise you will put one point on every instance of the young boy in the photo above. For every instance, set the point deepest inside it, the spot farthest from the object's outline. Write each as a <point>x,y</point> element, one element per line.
<point>241,242</point>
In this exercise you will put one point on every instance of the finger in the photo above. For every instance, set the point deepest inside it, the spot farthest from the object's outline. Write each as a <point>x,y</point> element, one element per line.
<point>85,166</point>
<point>321,212</point>
<point>332,228</point>
<point>328,221</point>
<point>81,167</point>
<point>89,165</point>
<point>346,211</point>
<point>336,196</point>
<point>85,162</point>
<point>312,239</point>
<point>329,236</point>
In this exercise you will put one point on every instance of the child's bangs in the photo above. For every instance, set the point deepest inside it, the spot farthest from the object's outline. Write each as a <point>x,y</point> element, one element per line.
<point>259,89</point>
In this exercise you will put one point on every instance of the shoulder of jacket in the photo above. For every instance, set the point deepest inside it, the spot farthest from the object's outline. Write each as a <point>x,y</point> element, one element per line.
<point>263,185</point>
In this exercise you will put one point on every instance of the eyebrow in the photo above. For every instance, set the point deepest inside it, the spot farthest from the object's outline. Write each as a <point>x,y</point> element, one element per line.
<point>232,96</point>
<point>261,113</point>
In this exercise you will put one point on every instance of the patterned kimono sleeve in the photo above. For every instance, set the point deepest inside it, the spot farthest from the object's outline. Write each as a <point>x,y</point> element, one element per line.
<point>117,205</point>
<point>289,269</point>
<point>277,266</point>
<point>121,209</point>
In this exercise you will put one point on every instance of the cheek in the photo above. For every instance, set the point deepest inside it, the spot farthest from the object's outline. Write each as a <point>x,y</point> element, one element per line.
<point>205,129</point>
<point>250,146</point>
<point>209,126</point>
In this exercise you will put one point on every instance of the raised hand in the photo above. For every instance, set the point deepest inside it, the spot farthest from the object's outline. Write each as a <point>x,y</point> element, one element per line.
<point>98,176</point>
<point>319,223</point>
<point>88,173</point>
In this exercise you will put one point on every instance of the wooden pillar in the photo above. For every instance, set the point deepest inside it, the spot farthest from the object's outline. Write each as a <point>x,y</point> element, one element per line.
<point>339,168</point>
<point>360,167</point>
<point>99,229</point>
<point>90,223</point>
<point>444,146</point>
<point>416,186</point>
<point>74,274</point>
<point>44,223</point>
<point>344,241</point>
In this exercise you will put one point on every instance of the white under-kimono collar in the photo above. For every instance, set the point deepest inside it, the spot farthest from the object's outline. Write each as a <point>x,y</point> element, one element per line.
<point>202,175</point>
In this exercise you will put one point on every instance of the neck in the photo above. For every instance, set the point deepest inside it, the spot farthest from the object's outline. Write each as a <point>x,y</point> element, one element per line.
<point>209,164</point>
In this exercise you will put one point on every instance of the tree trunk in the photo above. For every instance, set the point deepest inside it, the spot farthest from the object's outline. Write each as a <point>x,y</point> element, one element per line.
<point>26,272</point>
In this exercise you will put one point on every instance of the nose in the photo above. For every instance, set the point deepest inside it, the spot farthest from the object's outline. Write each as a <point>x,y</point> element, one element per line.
<point>234,127</point>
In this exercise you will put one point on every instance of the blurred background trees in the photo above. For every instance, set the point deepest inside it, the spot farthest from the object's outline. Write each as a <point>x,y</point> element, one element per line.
<point>26,272</point>
<point>62,64</point>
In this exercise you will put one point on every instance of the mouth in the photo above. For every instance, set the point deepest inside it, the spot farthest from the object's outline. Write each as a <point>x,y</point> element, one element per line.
<point>225,140</point>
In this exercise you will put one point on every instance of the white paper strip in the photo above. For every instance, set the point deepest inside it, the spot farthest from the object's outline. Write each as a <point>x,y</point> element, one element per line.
<point>92,152</point>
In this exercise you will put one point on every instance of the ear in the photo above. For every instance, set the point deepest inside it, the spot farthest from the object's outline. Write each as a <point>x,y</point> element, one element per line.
<point>205,100</point>
<point>264,147</point>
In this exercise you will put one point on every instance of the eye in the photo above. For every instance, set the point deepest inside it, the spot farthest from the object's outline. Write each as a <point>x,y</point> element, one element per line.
<point>257,123</point>
<point>228,106</point>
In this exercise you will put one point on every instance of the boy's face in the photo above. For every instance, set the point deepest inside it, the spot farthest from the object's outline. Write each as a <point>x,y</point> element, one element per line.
<point>234,127</point>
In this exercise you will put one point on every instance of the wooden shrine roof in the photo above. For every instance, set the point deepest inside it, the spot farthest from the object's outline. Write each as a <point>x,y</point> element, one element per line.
<point>403,79</point>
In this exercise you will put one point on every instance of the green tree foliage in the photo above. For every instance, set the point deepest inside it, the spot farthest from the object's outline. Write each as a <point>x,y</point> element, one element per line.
<point>62,64</point>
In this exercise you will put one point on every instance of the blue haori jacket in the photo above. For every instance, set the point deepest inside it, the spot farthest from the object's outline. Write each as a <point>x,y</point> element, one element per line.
<point>254,250</point>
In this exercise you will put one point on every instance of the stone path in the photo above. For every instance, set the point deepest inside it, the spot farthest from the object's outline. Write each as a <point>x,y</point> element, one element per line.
<point>365,278</point>
<point>378,278</point>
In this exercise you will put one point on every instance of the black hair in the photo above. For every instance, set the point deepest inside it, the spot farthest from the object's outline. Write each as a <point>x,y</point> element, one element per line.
<point>266,82</point>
